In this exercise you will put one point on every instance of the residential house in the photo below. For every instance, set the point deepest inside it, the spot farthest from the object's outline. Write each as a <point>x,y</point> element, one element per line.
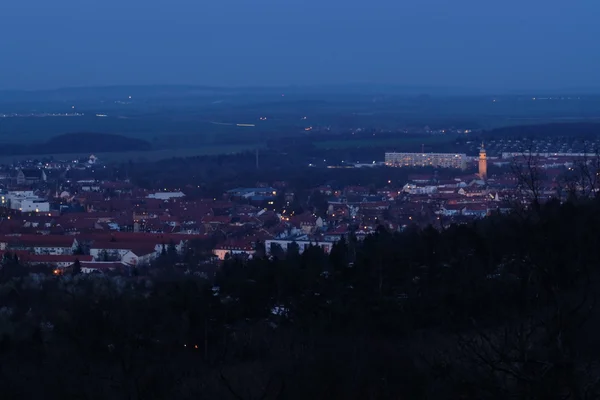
<point>110,251</point>
<point>336,234</point>
<point>449,210</point>
<point>30,176</point>
<point>40,244</point>
<point>141,254</point>
<point>234,248</point>
<point>416,189</point>
<point>307,222</point>
<point>478,210</point>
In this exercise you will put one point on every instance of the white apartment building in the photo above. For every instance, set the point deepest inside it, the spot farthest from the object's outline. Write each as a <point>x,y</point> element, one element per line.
<point>436,160</point>
<point>25,201</point>
<point>34,205</point>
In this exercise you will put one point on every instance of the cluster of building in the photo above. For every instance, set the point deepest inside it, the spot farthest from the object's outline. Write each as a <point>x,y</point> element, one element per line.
<point>35,243</point>
<point>114,225</point>
<point>566,145</point>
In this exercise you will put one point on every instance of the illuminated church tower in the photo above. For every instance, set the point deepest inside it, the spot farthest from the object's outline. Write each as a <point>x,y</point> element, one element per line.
<point>482,163</point>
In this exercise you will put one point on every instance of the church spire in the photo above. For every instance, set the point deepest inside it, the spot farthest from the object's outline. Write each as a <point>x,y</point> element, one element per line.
<point>482,162</point>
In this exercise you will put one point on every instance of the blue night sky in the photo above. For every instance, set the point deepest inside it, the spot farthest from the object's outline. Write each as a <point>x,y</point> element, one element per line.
<point>476,44</point>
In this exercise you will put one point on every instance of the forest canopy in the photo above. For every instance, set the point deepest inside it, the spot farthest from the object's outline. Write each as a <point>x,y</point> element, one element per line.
<point>503,307</point>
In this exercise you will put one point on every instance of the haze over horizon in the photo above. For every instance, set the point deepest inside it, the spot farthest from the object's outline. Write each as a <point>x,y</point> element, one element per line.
<point>465,44</point>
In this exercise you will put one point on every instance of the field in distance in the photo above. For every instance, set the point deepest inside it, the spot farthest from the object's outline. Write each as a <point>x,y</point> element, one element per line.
<point>144,155</point>
<point>408,141</point>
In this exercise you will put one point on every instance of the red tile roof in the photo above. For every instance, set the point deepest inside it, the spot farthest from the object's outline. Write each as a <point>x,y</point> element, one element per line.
<point>143,249</point>
<point>476,207</point>
<point>39,240</point>
<point>236,244</point>
<point>221,219</point>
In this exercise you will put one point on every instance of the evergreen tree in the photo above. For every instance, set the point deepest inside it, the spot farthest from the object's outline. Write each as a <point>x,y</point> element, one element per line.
<point>76,267</point>
<point>293,251</point>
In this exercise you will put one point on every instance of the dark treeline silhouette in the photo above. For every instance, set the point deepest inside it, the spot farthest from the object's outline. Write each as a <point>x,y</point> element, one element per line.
<point>563,129</point>
<point>77,143</point>
<point>211,176</point>
<point>500,308</point>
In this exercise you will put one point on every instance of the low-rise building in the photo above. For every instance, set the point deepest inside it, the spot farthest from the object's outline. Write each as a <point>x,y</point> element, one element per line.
<point>30,176</point>
<point>435,160</point>
<point>303,243</point>
<point>166,195</point>
<point>234,248</point>
<point>25,201</point>
<point>40,244</point>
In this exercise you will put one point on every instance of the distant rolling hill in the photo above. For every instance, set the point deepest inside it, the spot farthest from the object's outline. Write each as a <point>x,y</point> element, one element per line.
<point>78,143</point>
<point>176,91</point>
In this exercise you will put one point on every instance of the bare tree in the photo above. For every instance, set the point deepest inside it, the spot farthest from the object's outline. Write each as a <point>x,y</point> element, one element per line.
<point>529,176</point>
<point>582,178</point>
<point>535,352</point>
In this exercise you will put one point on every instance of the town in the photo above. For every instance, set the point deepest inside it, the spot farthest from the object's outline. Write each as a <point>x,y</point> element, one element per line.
<point>57,215</point>
<point>299,200</point>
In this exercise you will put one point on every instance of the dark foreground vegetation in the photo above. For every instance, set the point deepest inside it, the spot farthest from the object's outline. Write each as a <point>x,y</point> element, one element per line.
<point>503,308</point>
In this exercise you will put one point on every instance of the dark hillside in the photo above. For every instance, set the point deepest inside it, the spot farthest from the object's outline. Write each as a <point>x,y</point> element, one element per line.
<point>95,142</point>
<point>504,308</point>
<point>78,143</point>
<point>573,130</point>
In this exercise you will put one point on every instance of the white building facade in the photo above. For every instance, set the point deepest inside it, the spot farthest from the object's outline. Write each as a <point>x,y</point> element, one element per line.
<point>436,160</point>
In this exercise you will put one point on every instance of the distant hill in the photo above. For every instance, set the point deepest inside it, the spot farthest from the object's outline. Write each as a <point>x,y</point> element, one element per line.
<point>107,93</point>
<point>182,91</point>
<point>570,129</point>
<point>78,143</point>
